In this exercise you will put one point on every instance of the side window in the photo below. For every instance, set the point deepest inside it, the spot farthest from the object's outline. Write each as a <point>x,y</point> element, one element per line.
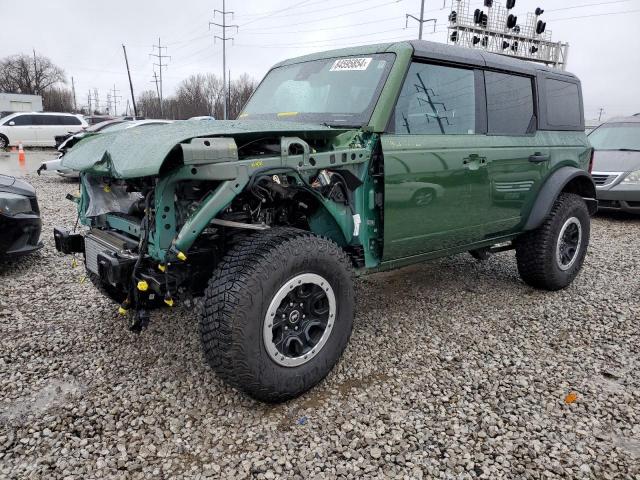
<point>509,104</point>
<point>70,120</point>
<point>436,100</point>
<point>46,120</point>
<point>23,120</point>
<point>563,103</point>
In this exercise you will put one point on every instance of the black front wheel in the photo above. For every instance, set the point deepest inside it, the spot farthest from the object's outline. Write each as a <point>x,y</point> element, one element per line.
<point>278,313</point>
<point>551,256</point>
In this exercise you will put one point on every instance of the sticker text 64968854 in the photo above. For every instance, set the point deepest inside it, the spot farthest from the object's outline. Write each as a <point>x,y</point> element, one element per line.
<point>351,64</point>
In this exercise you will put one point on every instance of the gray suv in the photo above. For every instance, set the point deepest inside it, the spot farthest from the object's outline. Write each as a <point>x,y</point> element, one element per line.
<point>616,164</point>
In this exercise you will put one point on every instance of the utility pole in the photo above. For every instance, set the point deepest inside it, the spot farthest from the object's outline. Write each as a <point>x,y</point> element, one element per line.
<point>73,90</point>
<point>421,21</point>
<point>133,98</point>
<point>224,38</point>
<point>114,99</point>
<point>600,112</point>
<point>160,66</point>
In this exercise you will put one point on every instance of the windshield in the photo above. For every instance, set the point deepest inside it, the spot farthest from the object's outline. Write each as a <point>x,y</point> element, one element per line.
<point>336,91</point>
<point>616,136</point>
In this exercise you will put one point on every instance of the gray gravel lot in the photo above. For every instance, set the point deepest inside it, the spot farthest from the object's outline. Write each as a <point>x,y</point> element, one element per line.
<point>455,369</point>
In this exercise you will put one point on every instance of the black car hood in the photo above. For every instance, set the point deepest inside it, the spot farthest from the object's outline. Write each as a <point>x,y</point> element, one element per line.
<point>15,185</point>
<point>616,161</point>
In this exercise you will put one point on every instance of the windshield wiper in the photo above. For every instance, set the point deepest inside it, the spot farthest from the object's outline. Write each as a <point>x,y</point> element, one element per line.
<point>629,150</point>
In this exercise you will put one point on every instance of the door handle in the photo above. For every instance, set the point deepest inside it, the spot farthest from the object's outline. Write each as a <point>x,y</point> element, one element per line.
<point>474,160</point>
<point>539,157</point>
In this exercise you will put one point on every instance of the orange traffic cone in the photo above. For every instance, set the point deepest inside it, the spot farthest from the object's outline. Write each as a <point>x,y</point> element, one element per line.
<point>21,157</point>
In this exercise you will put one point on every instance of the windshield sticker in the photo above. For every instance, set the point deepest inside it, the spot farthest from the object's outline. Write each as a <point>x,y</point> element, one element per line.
<point>345,64</point>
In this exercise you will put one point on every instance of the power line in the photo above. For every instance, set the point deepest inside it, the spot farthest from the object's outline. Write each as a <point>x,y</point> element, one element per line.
<point>224,38</point>
<point>360,10</point>
<point>275,12</point>
<point>594,15</point>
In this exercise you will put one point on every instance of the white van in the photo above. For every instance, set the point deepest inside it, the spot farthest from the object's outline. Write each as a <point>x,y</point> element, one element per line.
<point>37,129</point>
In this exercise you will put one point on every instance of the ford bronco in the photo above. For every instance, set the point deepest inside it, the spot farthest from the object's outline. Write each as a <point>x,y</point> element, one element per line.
<point>349,161</point>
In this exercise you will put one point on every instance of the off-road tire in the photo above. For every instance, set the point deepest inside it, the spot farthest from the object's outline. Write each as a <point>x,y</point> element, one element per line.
<point>107,290</point>
<point>237,299</point>
<point>4,141</point>
<point>536,250</point>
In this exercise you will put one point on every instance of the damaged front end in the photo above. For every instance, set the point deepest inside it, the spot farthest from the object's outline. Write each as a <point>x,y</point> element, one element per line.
<point>159,212</point>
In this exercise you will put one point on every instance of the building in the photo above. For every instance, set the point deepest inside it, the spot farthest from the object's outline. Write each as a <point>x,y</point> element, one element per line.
<point>19,102</point>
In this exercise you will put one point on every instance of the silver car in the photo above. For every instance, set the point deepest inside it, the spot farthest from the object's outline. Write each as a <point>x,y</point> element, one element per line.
<point>616,164</point>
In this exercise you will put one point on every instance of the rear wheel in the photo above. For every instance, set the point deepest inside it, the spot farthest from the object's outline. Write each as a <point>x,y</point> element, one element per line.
<point>278,313</point>
<point>551,256</point>
<point>4,141</point>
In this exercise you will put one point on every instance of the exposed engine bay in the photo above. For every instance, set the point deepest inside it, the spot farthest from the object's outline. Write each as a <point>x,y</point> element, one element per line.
<point>158,238</point>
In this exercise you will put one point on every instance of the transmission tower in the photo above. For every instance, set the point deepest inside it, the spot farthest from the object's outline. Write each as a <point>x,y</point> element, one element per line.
<point>160,57</point>
<point>224,38</point>
<point>114,100</point>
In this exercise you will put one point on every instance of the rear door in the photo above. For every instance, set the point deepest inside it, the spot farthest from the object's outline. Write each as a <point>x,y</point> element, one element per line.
<point>517,156</point>
<point>49,126</point>
<point>436,181</point>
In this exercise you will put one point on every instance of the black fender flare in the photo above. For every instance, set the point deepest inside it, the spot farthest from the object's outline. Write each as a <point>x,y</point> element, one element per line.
<point>556,184</point>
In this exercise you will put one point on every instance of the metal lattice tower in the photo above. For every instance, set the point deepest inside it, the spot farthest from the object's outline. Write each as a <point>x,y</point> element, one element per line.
<point>493,35</point>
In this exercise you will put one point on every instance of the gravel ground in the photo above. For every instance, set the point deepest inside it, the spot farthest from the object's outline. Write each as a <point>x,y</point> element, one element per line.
<point>456,369</point>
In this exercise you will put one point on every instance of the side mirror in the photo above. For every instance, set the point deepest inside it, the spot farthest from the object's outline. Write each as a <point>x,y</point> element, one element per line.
<point>12,123</point>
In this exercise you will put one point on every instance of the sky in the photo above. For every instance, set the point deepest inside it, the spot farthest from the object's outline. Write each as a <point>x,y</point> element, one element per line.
<point>86,38</point>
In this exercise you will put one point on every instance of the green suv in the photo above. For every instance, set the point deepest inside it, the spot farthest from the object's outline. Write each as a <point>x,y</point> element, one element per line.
<point>349,161</point>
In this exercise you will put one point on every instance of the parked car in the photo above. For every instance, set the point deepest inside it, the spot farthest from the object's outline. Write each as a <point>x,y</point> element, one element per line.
<point>267,217</point>
<point>107,126</point>
<point>203,117</point>
<point>20,222</point>
<point>95,119</point>
<point>37,129</point>
<point>616,164</point>
<point>97,127</point>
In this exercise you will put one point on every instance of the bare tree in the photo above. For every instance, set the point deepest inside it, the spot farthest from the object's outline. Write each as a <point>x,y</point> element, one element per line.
<point>148,104</point>
<point>57,99</point>
<point>241,90</point>
<point>29,74</point>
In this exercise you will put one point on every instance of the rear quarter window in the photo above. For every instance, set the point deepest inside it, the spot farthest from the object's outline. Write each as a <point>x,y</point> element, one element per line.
<point>69,120</point>
<point>563,103</point>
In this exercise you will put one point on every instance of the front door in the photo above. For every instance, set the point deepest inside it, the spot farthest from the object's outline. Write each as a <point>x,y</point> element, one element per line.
<point>23,130</point>
<point>437,187</point>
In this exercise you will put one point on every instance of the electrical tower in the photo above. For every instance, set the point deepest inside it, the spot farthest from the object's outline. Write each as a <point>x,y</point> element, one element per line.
<point>96,100</point>
<point>224,38</point>
<point>497,30</point>
<point>160,66</point>
<point>114,100</point>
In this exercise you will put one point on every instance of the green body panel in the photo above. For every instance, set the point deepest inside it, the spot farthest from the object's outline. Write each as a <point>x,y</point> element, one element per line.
<point>457,192</point>
<point>439,194</point>
<point>140,152</point>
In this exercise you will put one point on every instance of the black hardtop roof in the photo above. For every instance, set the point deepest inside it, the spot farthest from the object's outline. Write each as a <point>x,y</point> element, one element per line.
<point>439,51</point>
<point>455,53</point>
